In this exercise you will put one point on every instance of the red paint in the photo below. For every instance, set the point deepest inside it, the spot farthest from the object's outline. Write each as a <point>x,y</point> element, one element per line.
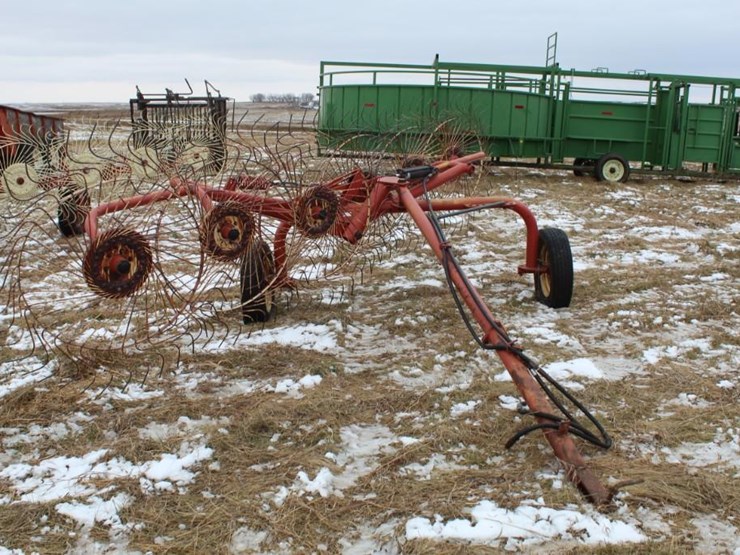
<point>363,199</point>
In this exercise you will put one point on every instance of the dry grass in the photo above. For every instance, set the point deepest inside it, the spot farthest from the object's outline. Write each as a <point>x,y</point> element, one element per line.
<point>407,374</point>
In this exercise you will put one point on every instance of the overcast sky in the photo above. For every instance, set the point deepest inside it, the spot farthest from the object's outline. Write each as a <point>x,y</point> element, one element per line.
<point>99,50</point>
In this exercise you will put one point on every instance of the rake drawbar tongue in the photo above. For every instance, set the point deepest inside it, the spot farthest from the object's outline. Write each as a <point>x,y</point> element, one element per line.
<point>494,336</point>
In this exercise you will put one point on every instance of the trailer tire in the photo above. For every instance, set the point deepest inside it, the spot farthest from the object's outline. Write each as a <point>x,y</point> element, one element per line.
<point>553,286</point>
<point>578,163</point>
<point>256,271</point>
<point>612,168</point>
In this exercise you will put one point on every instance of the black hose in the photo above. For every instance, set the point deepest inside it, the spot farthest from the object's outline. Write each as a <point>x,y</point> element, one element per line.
<point>543,378</point>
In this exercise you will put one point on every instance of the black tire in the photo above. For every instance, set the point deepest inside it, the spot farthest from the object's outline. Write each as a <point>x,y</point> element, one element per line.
<point>257,270</point>
<point>74,207</point>
<point>578,164</point>
<point>612,168</point>
<point>553,287</point>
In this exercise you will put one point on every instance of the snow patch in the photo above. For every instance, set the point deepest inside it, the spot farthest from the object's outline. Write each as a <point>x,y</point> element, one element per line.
<point>525,525</point>
<point>462,408</point>
<point>17,374</point>
<point>361,447</point>
<point>722,451</point>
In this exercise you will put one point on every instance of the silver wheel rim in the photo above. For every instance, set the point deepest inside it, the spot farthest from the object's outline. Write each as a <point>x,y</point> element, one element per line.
<point>613,170</point>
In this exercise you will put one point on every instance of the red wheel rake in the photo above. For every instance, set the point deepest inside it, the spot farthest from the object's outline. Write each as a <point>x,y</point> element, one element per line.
<point>118,262</point>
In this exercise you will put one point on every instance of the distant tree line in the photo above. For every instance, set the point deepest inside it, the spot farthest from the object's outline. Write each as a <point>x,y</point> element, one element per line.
<point>285,98</point>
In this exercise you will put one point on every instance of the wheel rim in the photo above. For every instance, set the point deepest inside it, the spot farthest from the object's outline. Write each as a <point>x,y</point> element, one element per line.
<point>613,170</point>
<point>544,277</point>
<point>21,181</point>
<point>317,210</point>
<point>144,163</point>
<point>194,155</point>
<point>86,170</point>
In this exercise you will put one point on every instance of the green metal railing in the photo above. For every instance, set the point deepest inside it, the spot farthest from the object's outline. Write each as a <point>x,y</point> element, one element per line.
<point>546,113</point>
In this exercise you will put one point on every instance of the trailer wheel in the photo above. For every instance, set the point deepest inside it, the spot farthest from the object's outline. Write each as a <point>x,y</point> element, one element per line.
<point>578,163</point>
<point>72,211</point>
<point>612,168</point>
<point>553,286</point>
<point>256,272</point>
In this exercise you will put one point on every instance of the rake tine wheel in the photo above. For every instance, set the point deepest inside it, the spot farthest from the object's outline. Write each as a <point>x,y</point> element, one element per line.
<point>138,274</point>
<point>183,237</point>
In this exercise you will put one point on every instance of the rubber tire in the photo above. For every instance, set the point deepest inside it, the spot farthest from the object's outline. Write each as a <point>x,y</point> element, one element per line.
<point>578,162</point>
<point>554,288</point>
<point>606,165</point>
<point>72,212</point>
<point>256,272</point>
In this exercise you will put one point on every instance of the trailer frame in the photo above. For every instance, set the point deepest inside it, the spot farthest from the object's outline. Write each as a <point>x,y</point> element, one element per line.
<point>605,123</point>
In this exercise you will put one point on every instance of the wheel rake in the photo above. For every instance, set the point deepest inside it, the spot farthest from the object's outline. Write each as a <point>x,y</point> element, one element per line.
<point>162,243</point>
<point>159,240</point>
<point>141,273</point>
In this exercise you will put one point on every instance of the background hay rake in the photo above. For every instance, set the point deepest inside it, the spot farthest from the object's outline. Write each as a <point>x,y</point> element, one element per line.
<point>186,290</point>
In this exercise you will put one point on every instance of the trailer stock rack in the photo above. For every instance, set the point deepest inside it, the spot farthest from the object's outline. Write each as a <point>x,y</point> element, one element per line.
<point>22,133</point>
<point>597,121</point>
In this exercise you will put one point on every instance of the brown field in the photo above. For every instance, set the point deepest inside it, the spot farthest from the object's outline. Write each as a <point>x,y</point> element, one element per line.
<point>389,399</point>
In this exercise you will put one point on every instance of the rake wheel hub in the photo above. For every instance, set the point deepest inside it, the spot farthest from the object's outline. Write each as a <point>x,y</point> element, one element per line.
<point>117,263</point>
<point>20,180</point>
<point>227,231</point>
<point>317,210</point>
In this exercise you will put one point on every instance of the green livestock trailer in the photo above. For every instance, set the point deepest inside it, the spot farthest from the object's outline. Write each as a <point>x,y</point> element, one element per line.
<point>598,122</point>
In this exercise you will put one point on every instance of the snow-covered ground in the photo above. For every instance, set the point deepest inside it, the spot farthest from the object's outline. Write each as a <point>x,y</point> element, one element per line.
<point>654,311</point>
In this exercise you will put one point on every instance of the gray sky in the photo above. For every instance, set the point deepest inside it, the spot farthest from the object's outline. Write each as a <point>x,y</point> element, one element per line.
<point>98,50</point>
